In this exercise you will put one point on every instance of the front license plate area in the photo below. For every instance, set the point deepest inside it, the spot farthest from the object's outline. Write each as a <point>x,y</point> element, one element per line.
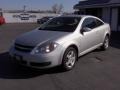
<point>19,59</point>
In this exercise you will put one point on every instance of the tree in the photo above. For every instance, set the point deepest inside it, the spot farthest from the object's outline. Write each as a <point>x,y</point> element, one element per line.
<point>54,8</point>
<point>57,8</point>
<point>60,9</point>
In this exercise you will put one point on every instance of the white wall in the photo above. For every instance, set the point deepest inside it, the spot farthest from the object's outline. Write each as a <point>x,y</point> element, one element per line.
<point>10,19</point>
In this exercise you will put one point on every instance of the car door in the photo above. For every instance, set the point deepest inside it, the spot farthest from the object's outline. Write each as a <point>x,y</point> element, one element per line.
<point>100,30</point>
<point>88,39</point>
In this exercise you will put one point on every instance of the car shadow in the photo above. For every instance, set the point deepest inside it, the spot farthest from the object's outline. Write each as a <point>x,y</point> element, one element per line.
<point>12,70</point>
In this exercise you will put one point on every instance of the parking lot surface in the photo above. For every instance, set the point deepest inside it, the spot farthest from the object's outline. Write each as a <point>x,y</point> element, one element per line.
<point>98,70</point>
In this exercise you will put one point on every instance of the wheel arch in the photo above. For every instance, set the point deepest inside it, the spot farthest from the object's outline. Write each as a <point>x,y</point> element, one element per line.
<point>66,46</point>
<point>75,47</point>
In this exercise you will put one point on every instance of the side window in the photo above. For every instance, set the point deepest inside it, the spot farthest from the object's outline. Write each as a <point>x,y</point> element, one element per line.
<point>89,23</point>
<point>99,23</point>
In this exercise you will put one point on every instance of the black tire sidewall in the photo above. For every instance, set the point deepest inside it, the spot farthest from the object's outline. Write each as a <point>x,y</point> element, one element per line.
<point>103,47</point>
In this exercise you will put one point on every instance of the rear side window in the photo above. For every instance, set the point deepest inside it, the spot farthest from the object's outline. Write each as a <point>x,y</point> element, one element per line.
<point>91,23</point>
<point>99,23</point>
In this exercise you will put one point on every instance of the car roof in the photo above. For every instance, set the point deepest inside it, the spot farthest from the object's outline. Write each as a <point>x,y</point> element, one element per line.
<point>73,15</point>
<point>81,16</point>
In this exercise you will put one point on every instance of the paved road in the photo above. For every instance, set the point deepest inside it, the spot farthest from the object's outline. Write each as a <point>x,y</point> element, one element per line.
<point>98,70</point>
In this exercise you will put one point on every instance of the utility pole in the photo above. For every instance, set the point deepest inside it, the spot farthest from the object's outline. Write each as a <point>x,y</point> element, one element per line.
<point>24,8</point>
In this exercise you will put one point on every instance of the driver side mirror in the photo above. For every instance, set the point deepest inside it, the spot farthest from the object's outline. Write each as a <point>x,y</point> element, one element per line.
<point>85,29</point>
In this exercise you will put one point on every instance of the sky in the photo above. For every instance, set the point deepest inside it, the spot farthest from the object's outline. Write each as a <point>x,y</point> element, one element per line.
<point>37,4</point>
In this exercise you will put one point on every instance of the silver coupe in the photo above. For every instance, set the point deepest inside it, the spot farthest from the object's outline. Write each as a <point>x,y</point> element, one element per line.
<point>60,41</point>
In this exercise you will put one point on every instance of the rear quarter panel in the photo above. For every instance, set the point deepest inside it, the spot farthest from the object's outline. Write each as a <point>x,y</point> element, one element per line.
<point>106,30</point>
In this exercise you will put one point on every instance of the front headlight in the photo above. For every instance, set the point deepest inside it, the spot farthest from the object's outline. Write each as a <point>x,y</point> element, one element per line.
<point>46,47</point>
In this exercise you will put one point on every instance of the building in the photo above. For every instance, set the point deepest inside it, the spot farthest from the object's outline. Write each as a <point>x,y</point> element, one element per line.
<point>108,10</point>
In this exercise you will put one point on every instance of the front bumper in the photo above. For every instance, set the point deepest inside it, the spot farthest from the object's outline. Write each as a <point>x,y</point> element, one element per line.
<point>37,60</point>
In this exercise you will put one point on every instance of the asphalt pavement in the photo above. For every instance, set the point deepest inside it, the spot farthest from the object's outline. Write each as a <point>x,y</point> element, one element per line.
<point>98,70</point>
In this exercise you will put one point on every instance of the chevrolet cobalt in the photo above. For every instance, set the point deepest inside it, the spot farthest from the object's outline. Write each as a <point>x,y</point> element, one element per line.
<point>60,41</point>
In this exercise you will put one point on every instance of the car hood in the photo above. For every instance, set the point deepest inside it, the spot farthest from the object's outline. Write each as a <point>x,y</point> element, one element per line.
<point>36,37</point>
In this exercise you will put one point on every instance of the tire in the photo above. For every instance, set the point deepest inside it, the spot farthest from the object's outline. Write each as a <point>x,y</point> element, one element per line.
<point>105,43</point>
<point>69,59</point>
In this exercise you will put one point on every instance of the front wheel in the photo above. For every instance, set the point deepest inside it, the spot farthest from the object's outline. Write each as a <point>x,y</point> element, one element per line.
<point>69,58</point>
<point>105,43</point>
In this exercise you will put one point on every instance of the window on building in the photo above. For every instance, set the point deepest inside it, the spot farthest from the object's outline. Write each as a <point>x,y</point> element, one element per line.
<point>94,11</point>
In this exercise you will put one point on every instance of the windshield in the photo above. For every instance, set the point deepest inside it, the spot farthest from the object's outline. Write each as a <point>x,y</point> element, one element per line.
<point>63,24</point>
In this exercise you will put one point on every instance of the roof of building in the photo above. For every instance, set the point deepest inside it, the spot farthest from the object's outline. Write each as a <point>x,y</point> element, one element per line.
<point>96,3</point>
<point>114,1</point>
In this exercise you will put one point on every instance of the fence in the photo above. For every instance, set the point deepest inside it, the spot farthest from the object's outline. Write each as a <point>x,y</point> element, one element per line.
<point>25,17</point>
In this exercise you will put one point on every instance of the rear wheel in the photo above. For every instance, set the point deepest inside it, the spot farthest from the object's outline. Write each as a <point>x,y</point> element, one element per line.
<point>105,43</point>
<point>69,58</point>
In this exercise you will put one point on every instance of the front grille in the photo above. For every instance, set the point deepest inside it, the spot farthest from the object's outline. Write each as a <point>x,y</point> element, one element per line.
<point>23,48</point>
